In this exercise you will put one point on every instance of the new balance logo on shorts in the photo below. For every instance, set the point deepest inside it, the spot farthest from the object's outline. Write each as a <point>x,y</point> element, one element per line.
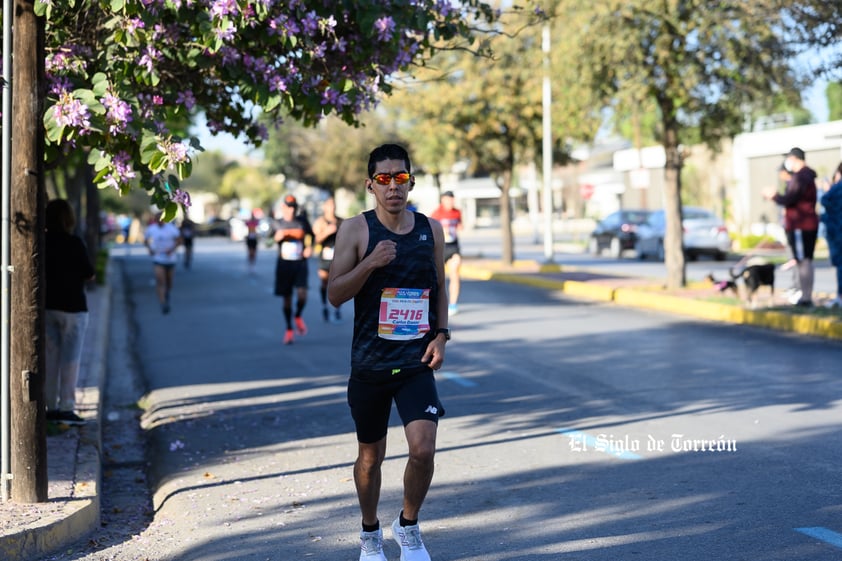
<point>432,409</point>
<point>422,237</point>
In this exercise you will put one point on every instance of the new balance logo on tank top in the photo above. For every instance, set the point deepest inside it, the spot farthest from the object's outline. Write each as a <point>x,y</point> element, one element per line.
<point>395,311</point>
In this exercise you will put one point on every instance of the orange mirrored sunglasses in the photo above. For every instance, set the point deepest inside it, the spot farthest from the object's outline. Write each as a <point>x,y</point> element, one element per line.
<point>386,178</point>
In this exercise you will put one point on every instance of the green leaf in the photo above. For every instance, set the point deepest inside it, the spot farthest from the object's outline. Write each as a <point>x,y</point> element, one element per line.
<point>100,84</point>
<point>52,130</point>
<point>159,162</point>
<point>148,146</point>
<point>183,169</point>
<point>99,177</point>
<point>94,156</point>
<point>86,96</point>
<point>272,102</point>
<point>118,5</point>
<point>170,211</point>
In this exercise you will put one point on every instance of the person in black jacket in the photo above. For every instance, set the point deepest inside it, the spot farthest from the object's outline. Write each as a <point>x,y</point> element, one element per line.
<point>68,267</point>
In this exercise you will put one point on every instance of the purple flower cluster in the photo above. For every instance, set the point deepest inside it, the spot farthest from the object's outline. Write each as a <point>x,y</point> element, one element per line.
<point>149,57</point>
<point>177,152</point>
<point>121,173</point>
<point>223,8</point>
<point>181,197</point>
<point>385,27</point>
<point>168,58</point>
<point>118,113</point>
<point>70,112</point>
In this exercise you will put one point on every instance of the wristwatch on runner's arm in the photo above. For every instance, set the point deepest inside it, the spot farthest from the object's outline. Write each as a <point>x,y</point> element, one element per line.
<point>444,331</point>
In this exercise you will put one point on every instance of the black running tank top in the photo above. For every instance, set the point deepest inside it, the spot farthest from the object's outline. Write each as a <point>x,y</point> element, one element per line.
<point>383,343</point>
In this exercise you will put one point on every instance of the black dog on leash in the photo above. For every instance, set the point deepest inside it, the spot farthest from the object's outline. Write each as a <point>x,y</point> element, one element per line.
<point>755,272</point>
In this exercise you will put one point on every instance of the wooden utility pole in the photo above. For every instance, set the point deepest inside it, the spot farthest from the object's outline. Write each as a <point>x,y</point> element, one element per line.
<point>26,356</point>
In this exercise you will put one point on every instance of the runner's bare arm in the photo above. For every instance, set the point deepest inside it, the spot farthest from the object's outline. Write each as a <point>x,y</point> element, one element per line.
<point>349,270</point>
<point>322,230</point>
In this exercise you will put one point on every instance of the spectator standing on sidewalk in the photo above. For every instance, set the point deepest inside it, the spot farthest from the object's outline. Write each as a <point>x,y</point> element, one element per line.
<point>451,221</point>
<point>832,219</point>
<point>162,240</point>
<point>324,232</point>
<point>67,269</point>
<point>292,233</point>
<point>391,262</point>
<point>800,219</point>
<point>793,291</point>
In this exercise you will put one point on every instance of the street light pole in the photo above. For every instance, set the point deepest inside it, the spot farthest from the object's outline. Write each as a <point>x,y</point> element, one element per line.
<point>5,420</point>
<point>547,149</point>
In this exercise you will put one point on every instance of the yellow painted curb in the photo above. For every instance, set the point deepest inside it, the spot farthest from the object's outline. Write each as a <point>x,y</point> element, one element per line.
<point>675,304</point>
<point>590,291</point>
<point>475,273</point>
<point>805,324</point>
<point>537,282</point>
<point>773,319</point>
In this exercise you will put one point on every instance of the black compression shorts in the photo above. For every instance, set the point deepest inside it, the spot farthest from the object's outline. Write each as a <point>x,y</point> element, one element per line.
<point>371,403</point>
<point>451,249</point>
<point>289,275</point>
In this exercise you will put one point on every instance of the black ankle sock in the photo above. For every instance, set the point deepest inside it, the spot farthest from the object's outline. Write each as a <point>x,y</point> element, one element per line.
<point>405,522</point>
<point>371,528</point>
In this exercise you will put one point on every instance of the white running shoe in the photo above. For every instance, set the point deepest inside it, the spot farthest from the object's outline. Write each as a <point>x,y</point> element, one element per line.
<point>835,303</point>
<point>409,538</point>
<point>793,296</point>
<point>371,546</point>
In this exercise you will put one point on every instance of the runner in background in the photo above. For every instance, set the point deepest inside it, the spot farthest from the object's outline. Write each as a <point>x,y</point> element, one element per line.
<point>251,241</point>
<point>324,231</point>
<point>451,220</point>
<point>292,233</point>
<point>162,240</point>
<point>188,231</point>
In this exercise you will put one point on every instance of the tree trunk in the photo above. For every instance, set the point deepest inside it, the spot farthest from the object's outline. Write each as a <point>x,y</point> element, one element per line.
<point>26,357</point>
<point>507,239</point>
<point>673,237</point>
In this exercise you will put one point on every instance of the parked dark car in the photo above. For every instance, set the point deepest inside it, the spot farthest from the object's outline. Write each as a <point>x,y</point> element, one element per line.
<point>214,227</point>
<point>617,232</point>
<point>704,233</point>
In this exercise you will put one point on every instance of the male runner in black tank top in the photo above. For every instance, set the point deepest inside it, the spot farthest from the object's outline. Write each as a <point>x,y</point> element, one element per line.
<point>391,262</point>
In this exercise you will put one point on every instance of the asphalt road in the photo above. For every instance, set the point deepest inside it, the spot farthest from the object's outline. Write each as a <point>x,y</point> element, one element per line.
<point>574,431</point>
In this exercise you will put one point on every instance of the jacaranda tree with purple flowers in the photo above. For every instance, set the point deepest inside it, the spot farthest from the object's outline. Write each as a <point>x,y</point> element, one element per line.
<point>125,76</point>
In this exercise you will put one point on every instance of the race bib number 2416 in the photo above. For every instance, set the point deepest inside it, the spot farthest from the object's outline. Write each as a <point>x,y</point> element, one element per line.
<point>404,313</point>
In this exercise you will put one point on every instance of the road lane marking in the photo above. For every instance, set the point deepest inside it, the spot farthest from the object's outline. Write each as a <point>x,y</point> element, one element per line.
<point>584,442</point>
<point>456,378</point>
<point>823,534</point>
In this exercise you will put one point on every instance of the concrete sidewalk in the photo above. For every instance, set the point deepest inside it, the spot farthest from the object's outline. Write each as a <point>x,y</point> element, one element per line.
<point>74,456</point>
<point>30,531</point>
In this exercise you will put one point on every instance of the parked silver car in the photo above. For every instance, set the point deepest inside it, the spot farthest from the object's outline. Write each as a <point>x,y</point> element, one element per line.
<point>704,234</point>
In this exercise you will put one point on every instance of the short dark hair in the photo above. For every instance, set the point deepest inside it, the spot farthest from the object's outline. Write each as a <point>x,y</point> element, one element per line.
<point>797,153</point>
<point>388,152</point>
<point>60,216</point>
